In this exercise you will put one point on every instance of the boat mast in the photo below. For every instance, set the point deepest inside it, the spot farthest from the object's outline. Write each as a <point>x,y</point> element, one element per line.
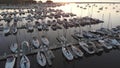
<point>108,26</point>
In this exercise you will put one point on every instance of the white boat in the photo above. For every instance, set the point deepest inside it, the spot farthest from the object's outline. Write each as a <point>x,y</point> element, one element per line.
<point>86,47</point>
<point>41,59</point>
<point>14,30</point>
<point>77,34</point>
<point>10,62</point>
<point>25,46</point>
<point>62,39</point>
<point>14,47</point>
<point>29,26</point>
<point>114,42</point>
<point>95,47</point>
<point>77,51</point>
<point>98,46</point>
<point>66,52</point>
<point>6,30</point>
<point>35,42</point>
<point>102,42</point>
<point>24,62</point>
<point>45,40</point>
<point>39,26</point>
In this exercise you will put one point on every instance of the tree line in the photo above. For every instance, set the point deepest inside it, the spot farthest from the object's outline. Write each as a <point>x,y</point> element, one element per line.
<point>16,1</point>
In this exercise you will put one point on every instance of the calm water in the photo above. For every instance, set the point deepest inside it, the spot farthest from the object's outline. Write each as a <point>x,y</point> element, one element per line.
<point>109,59</point>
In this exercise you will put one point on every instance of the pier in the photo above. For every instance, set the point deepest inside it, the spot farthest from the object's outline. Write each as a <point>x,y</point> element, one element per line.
<point>31,52</point>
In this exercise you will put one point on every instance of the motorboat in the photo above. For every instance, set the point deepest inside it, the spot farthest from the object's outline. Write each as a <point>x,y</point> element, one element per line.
<point>45,40</point>
<point>66,52</point>
<point>86,47</point>
<point>10,62</point>
<point>35,42</point>
<point>14,29</point>
<point>24,62</point>
<point>39,25</point>
<point>6,30</point>
<point>103,43</point>
<point>41,59</point>
<point>25,46</point>
<point>98,46</point>
<point>95,47</point>
<point>62,39</point>
<point>113,42</point>
<point>14,47</point>
<point>29,26</point>
<point>77,51</point>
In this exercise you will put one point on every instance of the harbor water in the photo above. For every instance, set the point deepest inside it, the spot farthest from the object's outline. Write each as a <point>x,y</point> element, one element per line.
<point>110,14</point>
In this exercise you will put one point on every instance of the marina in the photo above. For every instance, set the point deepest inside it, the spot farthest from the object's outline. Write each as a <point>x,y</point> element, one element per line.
<point>53,37</point>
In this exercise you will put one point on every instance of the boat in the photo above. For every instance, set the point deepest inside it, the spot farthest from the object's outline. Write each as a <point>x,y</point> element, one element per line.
<point>66,52</point>
<point>95,47</point>
<point>29,26</point>
<point>25,46</point>
<point>113,42</point>
<point>35,42</point>
<point>45,26</point>
<point>41,59</point>
<point>39,25</point>
<point>77,51</point>
<point>98,46</point>
<point>62,39</point>
<point>6,30</point>
<point>10,62</point>
<point>102,42</point>
<point>14,47</point>
<point>45,40</point>
<point>86,47</point>
<point>14,29</point>
<point>24,62</point>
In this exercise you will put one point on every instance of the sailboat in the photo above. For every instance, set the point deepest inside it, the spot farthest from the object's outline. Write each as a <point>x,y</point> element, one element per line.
<point>41,59</point>
<point>86,47</point>
<point>66,52</point>
<point>10,62</point>
<point>24,62</point>
<point>102,42</point>
<point>45,40</point>
<point>25,46</point>
<point>77,51</point>
<point>6,30</point>
<point>35,42</point>
<point>29,26</point>
<point>14,47</point>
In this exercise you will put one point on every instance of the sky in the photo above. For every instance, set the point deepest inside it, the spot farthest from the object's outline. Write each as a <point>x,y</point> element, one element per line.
<point>82,0</point>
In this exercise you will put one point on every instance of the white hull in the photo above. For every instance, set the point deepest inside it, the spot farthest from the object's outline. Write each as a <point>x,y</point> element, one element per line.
<point>86,48</point>
<point>10,62</point>
<point>45,41</point>
<point>14,31</point>
<point>77,51</point>
<point>6,30</point>
<point>36,43</point>
<point>68,55</point>
<point>102,42</point>
<point>24,62</point>
<point>41,59</point>
<point>25,46</point>
<point>14,47</point>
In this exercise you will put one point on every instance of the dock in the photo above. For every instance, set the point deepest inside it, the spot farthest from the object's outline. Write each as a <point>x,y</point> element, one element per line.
<point>31,52</point>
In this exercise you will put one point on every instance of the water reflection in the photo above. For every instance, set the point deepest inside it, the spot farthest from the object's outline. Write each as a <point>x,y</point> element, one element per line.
<point>82,10</point>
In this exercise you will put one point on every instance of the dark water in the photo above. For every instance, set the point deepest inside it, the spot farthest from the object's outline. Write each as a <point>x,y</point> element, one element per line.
<point>107,59</point>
